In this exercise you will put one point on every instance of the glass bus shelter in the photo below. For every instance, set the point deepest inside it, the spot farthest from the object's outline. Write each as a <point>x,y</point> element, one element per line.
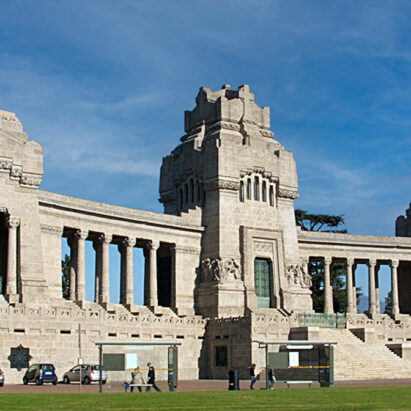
<point>300,361</point>
<point>121,356</point>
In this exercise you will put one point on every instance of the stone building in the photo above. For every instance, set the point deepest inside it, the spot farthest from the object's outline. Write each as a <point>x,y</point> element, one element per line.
<point>225,264</point>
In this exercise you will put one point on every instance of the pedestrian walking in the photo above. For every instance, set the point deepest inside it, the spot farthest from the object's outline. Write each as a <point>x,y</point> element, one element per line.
<point>271,379</point>
<point>151,378</point>
<point>252,376</point>
<point>137,378</point>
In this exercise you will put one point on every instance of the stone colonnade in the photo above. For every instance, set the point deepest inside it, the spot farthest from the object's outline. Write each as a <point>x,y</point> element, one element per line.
<point>374,296</point>
<point>101,242</point>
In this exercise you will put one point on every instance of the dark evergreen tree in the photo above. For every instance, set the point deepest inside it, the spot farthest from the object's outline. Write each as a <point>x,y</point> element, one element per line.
<point>65,276</point>
<point>388,304</point>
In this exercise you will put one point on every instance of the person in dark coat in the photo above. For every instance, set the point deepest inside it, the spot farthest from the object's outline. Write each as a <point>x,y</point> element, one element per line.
<point>252,376</point>
<point>151,378</point>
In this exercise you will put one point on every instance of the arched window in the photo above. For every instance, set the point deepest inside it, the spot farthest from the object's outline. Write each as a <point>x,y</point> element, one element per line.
<point>185,193</point>
<point>271,195</point>
<point>256,188</point>
<point>241,192</point>
<point>264,191</point>
<point>248,188</point>
<point>181,198</point>
<point>198,192</point>
<point>191,191</point>
<point>263,282</point>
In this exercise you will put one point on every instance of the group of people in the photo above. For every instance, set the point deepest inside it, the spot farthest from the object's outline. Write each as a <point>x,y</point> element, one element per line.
<point>137,379</point>
<point>270,376</point>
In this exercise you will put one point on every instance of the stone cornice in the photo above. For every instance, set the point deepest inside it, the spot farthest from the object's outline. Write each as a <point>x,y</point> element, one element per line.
<point>53,230</point>
<point>222,184</point>
<point>16,173</point>
<point>288,194</point>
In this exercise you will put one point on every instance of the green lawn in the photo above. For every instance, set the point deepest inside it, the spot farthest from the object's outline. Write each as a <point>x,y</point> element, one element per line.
<point>365,398</point>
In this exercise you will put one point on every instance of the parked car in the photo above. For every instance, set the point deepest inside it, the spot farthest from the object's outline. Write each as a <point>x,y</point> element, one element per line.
<point>40,373</point>
<point>89,373</point>
<point>1,377</point>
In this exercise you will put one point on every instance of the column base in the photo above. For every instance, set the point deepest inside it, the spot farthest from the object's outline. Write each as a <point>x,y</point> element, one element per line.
<point>12,298</point>
<point>133,308</point>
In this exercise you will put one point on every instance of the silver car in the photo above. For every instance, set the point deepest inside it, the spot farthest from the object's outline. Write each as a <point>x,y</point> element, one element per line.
<point>89,373</point>
<point>1,377</point>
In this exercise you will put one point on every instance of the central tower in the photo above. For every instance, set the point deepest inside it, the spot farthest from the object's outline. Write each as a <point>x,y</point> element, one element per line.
<point>243,182</point>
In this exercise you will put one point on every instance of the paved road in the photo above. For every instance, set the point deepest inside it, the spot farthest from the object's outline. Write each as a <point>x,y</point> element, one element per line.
<point>187,385</point>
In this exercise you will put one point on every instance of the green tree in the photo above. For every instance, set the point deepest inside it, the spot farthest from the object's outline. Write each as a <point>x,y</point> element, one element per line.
<point>388,303</point>
<point>65,276</point>
<point>330,224</point>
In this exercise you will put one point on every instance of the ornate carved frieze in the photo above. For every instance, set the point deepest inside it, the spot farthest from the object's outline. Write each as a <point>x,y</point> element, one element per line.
<point>297,275</point>
<point>227,125</point>
<point>259,170</point>
<point>16,173</point>
<point>289,194</point>
<point>53,230</point>
<point>266,133</point>
<point>263,246</point>
<point>222,184</point>
<point>30,180</point>
<point>6,163</point>
<point>220,270</point>
<point>185,250</point>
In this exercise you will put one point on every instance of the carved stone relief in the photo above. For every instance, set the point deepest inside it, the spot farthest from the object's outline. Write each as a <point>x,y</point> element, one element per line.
<point>297,275</point>
<point>221,270</point>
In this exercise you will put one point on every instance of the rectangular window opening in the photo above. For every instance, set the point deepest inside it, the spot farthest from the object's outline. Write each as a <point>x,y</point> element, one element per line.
<point>65,331</point>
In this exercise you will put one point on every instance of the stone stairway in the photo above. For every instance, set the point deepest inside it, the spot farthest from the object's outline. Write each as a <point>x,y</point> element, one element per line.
<point>356,360</point>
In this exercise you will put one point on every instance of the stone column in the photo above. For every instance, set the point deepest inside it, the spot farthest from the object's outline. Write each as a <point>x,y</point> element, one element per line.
<point>173,300</point>
<point>371,286</point>
<point>328,291</point>
<point>146,253</point>
<point>131,242</point>
<point>377,290</point>
<point>152,295</point>
<point>122,251</point>
<point>354,289</point>
<point>11,284</point>
<point>349,286</point>
<point>394,288</point>
<point>127,271</point>
<point>105,268</point>
<point>97,287</point>
<point>80,236</point>
<point>72,242</point>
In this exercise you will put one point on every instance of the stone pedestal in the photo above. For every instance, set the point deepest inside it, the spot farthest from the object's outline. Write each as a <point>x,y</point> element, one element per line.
<point>221,300</point>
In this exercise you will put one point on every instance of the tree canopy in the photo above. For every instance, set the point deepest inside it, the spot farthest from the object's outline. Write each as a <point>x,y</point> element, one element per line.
<point>65,276</point>
<point>330,224</point>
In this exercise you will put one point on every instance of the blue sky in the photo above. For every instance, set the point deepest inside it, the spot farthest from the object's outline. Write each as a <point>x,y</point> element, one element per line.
<point>102,85</point>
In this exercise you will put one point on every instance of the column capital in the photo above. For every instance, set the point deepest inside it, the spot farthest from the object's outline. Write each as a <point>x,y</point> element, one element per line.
<point>350,261</point>
<point>153,245</point>
<point>328,260</point>
<point>372,262</point>
<point>128,242</point>
<point>12,222</point>
<point>394,263</point>
<point>305,260</point>
<point>81,234</point>
<point>104,238</point>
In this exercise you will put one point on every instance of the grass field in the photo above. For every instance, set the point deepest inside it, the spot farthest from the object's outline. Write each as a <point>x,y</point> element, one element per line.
<point>364,398</point>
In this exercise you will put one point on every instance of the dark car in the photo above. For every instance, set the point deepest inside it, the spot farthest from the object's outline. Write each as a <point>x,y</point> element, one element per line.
<point>1,377</point>
<point>40,373</point>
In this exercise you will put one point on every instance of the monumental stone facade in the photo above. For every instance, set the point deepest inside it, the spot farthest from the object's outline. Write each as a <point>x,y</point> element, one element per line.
<point>225,264</point>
